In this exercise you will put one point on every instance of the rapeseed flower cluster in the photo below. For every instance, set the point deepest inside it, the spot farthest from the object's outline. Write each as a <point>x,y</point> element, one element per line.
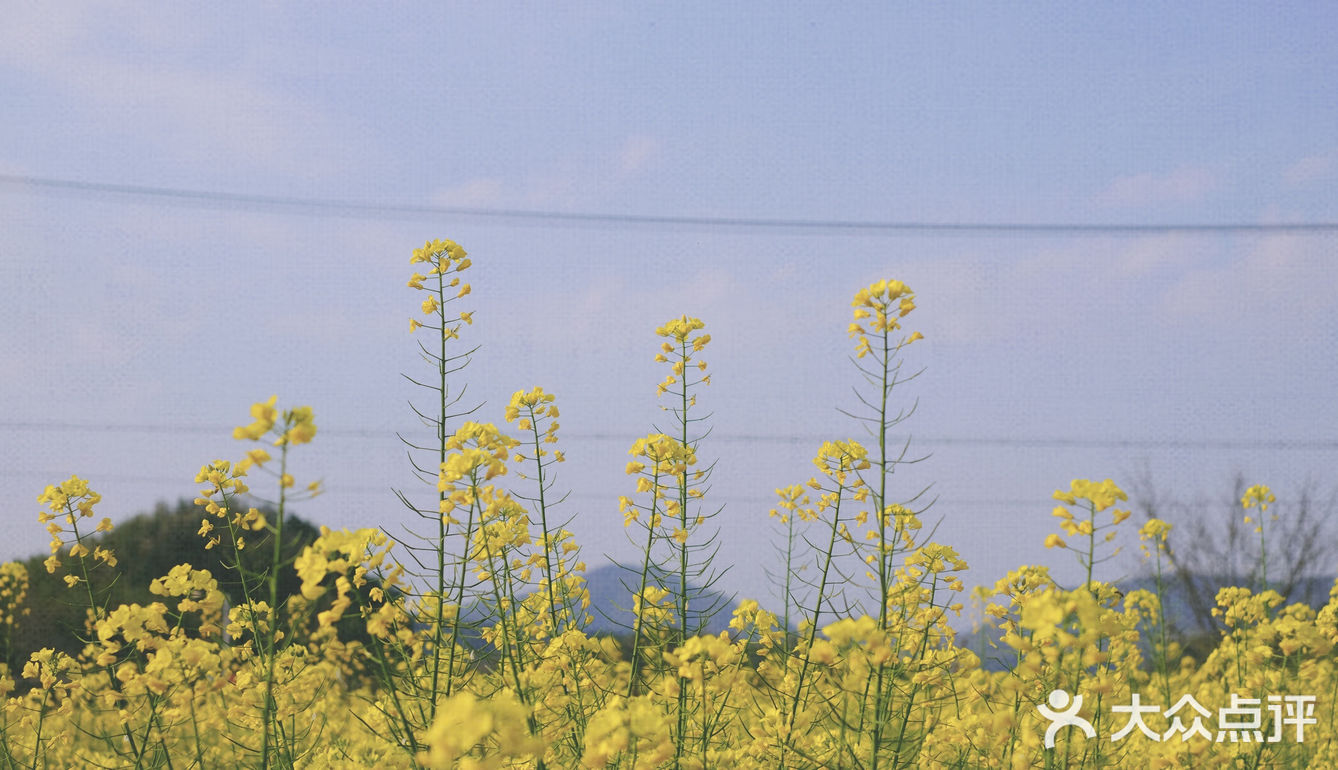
<point>443,258</point>
<point>879,309</point>
<point>1091,498</point>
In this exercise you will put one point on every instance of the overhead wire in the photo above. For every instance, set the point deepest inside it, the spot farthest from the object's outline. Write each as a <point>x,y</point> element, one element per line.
<point>389,434</point>
<point>366,208</point>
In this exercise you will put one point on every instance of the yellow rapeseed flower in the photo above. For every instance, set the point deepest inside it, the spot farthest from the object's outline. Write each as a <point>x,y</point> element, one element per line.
<point>263,415</point>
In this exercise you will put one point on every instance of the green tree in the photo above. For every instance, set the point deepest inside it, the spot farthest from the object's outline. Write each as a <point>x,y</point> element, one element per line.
<point>146,547</point>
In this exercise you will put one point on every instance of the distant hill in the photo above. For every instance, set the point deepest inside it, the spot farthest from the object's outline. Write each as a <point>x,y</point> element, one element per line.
<point>611,601</point>
<point>147,546</point>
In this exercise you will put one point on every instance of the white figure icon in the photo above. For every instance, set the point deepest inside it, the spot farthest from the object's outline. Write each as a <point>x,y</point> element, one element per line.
<point>1063,712</point>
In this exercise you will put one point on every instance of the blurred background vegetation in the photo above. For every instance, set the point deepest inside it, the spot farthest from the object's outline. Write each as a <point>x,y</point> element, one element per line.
<point>146,546</point>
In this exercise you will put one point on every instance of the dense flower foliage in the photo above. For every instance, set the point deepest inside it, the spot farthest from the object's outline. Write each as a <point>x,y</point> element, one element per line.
<point>473,651</point>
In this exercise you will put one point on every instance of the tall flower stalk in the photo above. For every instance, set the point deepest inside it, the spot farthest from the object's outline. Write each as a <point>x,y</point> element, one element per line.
<point>1261,497</point>
<point>442,567</point>
<point>880,338</point>
<point>691,545</point>
<point>1153,535</point>
<point>288,428</point>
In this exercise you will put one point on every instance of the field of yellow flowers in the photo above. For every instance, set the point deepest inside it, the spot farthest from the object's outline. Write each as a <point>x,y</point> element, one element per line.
<point>475,653</point>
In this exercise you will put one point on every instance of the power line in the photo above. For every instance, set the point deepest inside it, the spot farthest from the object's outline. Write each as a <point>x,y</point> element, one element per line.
<point>1042,442</point>
<point>1042,502</point>
<point>359,209</point>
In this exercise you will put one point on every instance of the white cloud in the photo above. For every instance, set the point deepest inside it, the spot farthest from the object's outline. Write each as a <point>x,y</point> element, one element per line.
<point>1312,168</point>
<point>1281,282</point>
<point>138,74</point>
<point>1183,185</point>
<point>563,183</point>
<point>1043,292</point>
<point>637,153</point>
<point>479,192</point>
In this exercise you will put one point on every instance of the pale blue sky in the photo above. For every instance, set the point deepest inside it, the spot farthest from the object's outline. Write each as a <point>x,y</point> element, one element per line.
<point>138,328</point>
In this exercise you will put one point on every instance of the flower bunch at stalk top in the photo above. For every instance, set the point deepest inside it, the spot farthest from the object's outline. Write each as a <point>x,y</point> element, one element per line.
<point>653,607</point>
<point>502,531</point>
<point>535,411</point>
<point>1101,495</point>
<point>505,525</point>
<point>841,462</point>
<point>66,503</point>
<point>660,458</point>
<point>197,590</point>
<point>475,446</point>
<point>879,309</point>
<point>298,425</point>
<point>667,455</point>
<point>289,427</point>
<point>936,558</point>
<point>477,452</point>
<point>443,256</point>
<point>840,459</point>
<point>263,416</point>
<point>681,342</point>
<point>1153,533</point>
<point>339,552</point>
<point>794,502</point>
<point>443,259</point>
<point>1258,496</point>
<point>225,483</point>
<point>69,496</point>
<point>535,403</point>
<point>1092,498</point>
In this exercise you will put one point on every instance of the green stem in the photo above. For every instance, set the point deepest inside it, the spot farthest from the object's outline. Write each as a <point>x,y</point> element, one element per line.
<point>271,641</point>
<point>682,549</point>
<point>813,626</point>
<point>638,623</point>
<point>437,628</point>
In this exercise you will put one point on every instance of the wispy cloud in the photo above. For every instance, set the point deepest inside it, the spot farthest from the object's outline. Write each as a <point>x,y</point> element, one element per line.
<point>561,183</point>
<point>1281,282</point>
<point>1044,293</point>
<point>201,109</point>
<point>638,153</point>
<point>481,192</point>
<point>1312,168</point>
<point>1183,185</point>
